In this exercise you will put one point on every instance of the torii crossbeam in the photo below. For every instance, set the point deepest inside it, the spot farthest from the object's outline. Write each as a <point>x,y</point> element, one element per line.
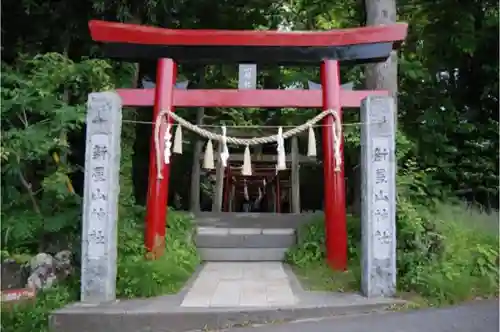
<point>361,45</point>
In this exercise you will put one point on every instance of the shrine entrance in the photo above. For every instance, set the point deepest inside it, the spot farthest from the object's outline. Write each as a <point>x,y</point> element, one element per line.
<point>129,42</point>
<point>266,190</point>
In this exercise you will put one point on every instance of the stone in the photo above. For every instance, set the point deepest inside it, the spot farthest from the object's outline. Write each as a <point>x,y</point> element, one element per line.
<point>43,272</point>
<point>62,264</point>
<point>100,202</point>
<point>242,254</point>
<point>47,270</point>
<point>278,231</point>
<point>227,294</point>
<point>41,259</point>
<point>378,201</point>
<point>238,284</point>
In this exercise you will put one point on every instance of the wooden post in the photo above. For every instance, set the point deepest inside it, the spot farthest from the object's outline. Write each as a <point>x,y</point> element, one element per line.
<point>194,204</point>
<point>277,199</point>
<point>273,198</point>
<point>219,182</point>
<point>335,209</point>
<point>227,188</point>
<point>231,198</point>
<point>156,208</point>
<point>295,188</point>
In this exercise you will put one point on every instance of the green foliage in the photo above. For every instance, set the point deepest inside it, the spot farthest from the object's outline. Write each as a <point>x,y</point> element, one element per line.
<point>43,100</point>
<point>447,252</point>
<point>136,277</point>
<point>449,93</point>
<point>447,145</point>
<point>311,242</point>
<point>462,257</point>
<point>30,213</point>
<point>34,317</point>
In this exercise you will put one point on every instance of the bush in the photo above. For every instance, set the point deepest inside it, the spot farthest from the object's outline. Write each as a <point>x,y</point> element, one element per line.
<point>136,276</point>
<point>446,253</point>
<point>47,211</point>
<point>462,261</point>
<point>34,317</point>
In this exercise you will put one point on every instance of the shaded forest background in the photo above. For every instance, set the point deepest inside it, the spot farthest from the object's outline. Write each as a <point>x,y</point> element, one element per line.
<point>447,102</point>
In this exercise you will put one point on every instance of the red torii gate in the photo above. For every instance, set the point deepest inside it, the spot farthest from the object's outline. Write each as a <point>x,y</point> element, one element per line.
<point>134,42</point>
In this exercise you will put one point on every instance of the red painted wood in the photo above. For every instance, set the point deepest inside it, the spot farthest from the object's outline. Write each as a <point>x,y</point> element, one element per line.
<point>334,186</point>
<point>245,98</point>
<point>156,209</point>
<point>113,32</point>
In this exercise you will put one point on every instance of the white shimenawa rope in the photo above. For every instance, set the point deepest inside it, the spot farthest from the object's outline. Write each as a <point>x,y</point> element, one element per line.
<point>166,113</point>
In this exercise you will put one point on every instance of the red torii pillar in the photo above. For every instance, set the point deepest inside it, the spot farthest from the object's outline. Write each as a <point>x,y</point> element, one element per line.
<point>157,198</point>
<point>130,42</point>
<point>334,185</point>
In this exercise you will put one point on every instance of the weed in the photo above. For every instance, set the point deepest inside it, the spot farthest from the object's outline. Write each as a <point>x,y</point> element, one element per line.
<point>446,254</point>
<point>136,276</point>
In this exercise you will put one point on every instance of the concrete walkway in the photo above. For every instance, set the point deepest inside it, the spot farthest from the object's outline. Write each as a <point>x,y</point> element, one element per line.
<point>238,284</point>
<point>218,296</point>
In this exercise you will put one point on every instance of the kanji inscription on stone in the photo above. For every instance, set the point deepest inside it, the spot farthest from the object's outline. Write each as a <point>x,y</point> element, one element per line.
<point>247,76</point>
<point>100,202</point>
<point>378,204</point>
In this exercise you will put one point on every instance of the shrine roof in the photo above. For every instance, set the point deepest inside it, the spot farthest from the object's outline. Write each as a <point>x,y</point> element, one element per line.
<point>136,42</point>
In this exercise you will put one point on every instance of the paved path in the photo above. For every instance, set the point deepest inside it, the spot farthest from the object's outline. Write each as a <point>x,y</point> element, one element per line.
<point>479,316</point>
<point>234,284</point>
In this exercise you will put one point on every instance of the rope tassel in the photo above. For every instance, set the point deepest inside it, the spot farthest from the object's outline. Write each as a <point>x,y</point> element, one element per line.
<point>337,140</point>
<point>168,144</point>
<point>281,150</point>
<point>208,160</point>
<point>224,155</point>
<point>311,143</point>
<point>164,158</point>
<point>247,163</point>
<point>178,140</point>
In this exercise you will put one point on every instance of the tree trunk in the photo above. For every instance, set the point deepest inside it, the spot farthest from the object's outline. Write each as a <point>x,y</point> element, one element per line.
<point>378,76</point>
<point>194,204</point>
<point>141,146</point>
<point>383,76</point>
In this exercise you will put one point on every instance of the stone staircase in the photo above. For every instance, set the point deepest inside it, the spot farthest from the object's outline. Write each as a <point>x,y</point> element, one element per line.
<point>246,236</point>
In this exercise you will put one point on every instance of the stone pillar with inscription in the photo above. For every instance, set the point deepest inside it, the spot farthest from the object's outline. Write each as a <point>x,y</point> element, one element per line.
<point>378,201</point>
<point>100,202</point>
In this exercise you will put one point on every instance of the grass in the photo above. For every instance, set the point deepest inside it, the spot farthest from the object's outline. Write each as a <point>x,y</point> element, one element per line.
<point>457,262</point>
<point>317,276</point>
<point>136,277</point>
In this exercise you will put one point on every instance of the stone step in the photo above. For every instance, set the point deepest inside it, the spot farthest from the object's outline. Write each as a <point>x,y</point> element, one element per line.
<point>253,220</point>
<point>213,237</point>
<point>242,254</point>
